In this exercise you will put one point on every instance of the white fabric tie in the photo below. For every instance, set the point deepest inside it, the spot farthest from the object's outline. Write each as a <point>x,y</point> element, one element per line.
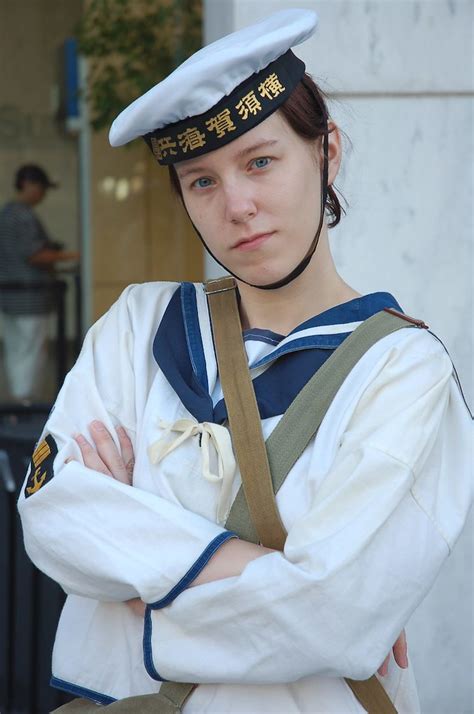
<point>219,436</point>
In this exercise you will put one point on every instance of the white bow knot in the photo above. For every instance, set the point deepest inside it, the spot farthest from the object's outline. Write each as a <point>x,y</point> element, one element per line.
<point>210,433</point>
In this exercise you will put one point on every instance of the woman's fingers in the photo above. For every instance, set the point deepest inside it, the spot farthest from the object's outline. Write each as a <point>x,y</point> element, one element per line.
<point>90,456</point>
<point>108,452</point>
<point>106,457</point>
<point>400,651</point>
<point>127,452</point>
<point>137,606</point>
<point>400,654</point>
<point>383,669</point>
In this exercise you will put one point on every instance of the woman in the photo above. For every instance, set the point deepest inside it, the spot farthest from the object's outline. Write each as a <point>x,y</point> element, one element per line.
<point>370,507</point>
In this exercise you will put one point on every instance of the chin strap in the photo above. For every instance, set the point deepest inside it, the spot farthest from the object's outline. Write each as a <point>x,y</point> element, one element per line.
<point>305,262</point>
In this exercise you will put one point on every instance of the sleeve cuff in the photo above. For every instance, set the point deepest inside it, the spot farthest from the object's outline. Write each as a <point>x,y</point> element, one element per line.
<point>181,585</point>
<point>194,570</point>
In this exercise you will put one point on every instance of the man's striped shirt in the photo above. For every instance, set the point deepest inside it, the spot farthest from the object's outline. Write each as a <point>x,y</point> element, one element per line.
<point>21,236</point>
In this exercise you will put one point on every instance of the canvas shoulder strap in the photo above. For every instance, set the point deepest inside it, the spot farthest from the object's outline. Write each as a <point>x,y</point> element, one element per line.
<point>303,417</point>
<point>242,413</point>
<point>284,446</point>
<point>295,429</point>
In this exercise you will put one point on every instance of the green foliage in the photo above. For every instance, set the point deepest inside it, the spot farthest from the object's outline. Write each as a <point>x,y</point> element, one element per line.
<point>132,45</point>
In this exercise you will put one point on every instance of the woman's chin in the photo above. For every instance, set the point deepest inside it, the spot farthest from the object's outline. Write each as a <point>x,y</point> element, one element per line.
<point>258,278</point>
<point>257,270</point>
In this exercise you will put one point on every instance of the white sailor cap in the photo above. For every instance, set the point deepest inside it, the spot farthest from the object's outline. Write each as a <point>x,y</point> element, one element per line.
<point>221,91</point>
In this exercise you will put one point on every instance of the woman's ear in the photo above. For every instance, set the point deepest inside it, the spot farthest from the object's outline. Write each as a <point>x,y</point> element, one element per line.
<point>334,151</point>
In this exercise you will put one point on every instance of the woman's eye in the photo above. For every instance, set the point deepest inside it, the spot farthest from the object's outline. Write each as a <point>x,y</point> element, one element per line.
<point>261,162</point>
<point>202,183</point>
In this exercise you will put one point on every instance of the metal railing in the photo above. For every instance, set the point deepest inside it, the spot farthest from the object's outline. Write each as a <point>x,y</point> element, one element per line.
<point>30,603</point>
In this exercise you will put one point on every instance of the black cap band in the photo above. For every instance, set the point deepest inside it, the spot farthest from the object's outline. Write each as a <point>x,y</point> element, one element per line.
<point>244,108</point>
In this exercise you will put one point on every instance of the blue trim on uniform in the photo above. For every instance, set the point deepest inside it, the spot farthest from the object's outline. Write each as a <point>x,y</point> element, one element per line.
<point>170,349</point>
<point>355,310</point>
<point>277,387</point>
<point>194,570</point>
<point>193,332</point>
<point>147,648</point>
<point>259,335</point>
<point>78,691</point>
<point>321,342</point>
<point>178,350</point>
<point>192,573</point>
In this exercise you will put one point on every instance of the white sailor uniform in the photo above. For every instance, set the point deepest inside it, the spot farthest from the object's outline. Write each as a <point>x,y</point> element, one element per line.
<point>372,509</point>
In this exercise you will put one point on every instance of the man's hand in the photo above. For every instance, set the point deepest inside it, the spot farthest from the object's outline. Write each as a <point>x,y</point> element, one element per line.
<point>399,650</point>
<point>49,256</point>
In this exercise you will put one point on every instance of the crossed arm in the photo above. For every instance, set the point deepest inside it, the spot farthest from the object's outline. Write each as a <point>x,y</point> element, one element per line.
<point>229,560</point>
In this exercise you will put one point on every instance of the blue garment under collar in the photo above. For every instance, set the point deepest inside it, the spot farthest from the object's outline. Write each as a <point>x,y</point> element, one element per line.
<point>178,351</point>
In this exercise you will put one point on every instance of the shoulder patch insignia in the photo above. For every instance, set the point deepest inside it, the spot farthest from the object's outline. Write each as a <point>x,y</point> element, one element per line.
<point>41,468</point>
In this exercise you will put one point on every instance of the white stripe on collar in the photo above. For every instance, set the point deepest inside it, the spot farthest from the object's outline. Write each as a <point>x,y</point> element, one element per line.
<point>321,330</point>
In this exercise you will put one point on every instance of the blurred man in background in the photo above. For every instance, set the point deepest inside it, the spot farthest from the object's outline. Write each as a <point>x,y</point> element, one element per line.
<point>27,255</point>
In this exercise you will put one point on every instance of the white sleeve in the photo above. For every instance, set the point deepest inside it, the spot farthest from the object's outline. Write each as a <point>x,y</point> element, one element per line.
<point>95,536</point>
<point>355,566</point>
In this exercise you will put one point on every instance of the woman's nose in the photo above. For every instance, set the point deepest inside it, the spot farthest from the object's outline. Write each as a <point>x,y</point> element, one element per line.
<point>239,205</point>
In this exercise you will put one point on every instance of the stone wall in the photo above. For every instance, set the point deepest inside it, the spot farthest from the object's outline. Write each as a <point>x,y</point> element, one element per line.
<point>400,77</point>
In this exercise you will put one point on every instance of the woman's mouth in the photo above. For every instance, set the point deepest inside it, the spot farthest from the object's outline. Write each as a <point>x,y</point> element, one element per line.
<point>252,242</point>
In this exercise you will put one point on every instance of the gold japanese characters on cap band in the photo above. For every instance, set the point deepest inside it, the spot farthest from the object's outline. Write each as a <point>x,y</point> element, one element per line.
<point>221,124</point>
<point>246,106</point>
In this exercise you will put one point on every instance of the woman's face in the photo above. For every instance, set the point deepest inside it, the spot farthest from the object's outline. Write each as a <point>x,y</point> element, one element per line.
<point>256,201</point>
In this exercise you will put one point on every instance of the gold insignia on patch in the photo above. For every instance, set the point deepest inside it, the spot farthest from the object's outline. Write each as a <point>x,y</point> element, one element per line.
<point>41,452</point>
<point>37,482</point>
<point>41,468</point>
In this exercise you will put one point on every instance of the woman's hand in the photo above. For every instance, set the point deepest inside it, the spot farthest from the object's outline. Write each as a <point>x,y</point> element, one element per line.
<point>108,460</point>
<point>137,606</point>
<point>104,455</point>
<point>399,650</point>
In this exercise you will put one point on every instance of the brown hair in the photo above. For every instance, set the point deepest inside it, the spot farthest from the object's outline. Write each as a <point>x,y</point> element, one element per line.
<point>306,112</point>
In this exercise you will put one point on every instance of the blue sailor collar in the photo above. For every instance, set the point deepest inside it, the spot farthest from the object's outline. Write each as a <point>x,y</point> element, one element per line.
<point>324,331</point>
<point>183,349</point>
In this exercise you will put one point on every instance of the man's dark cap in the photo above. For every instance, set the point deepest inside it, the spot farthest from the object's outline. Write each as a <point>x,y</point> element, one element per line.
<point>35,174</point>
